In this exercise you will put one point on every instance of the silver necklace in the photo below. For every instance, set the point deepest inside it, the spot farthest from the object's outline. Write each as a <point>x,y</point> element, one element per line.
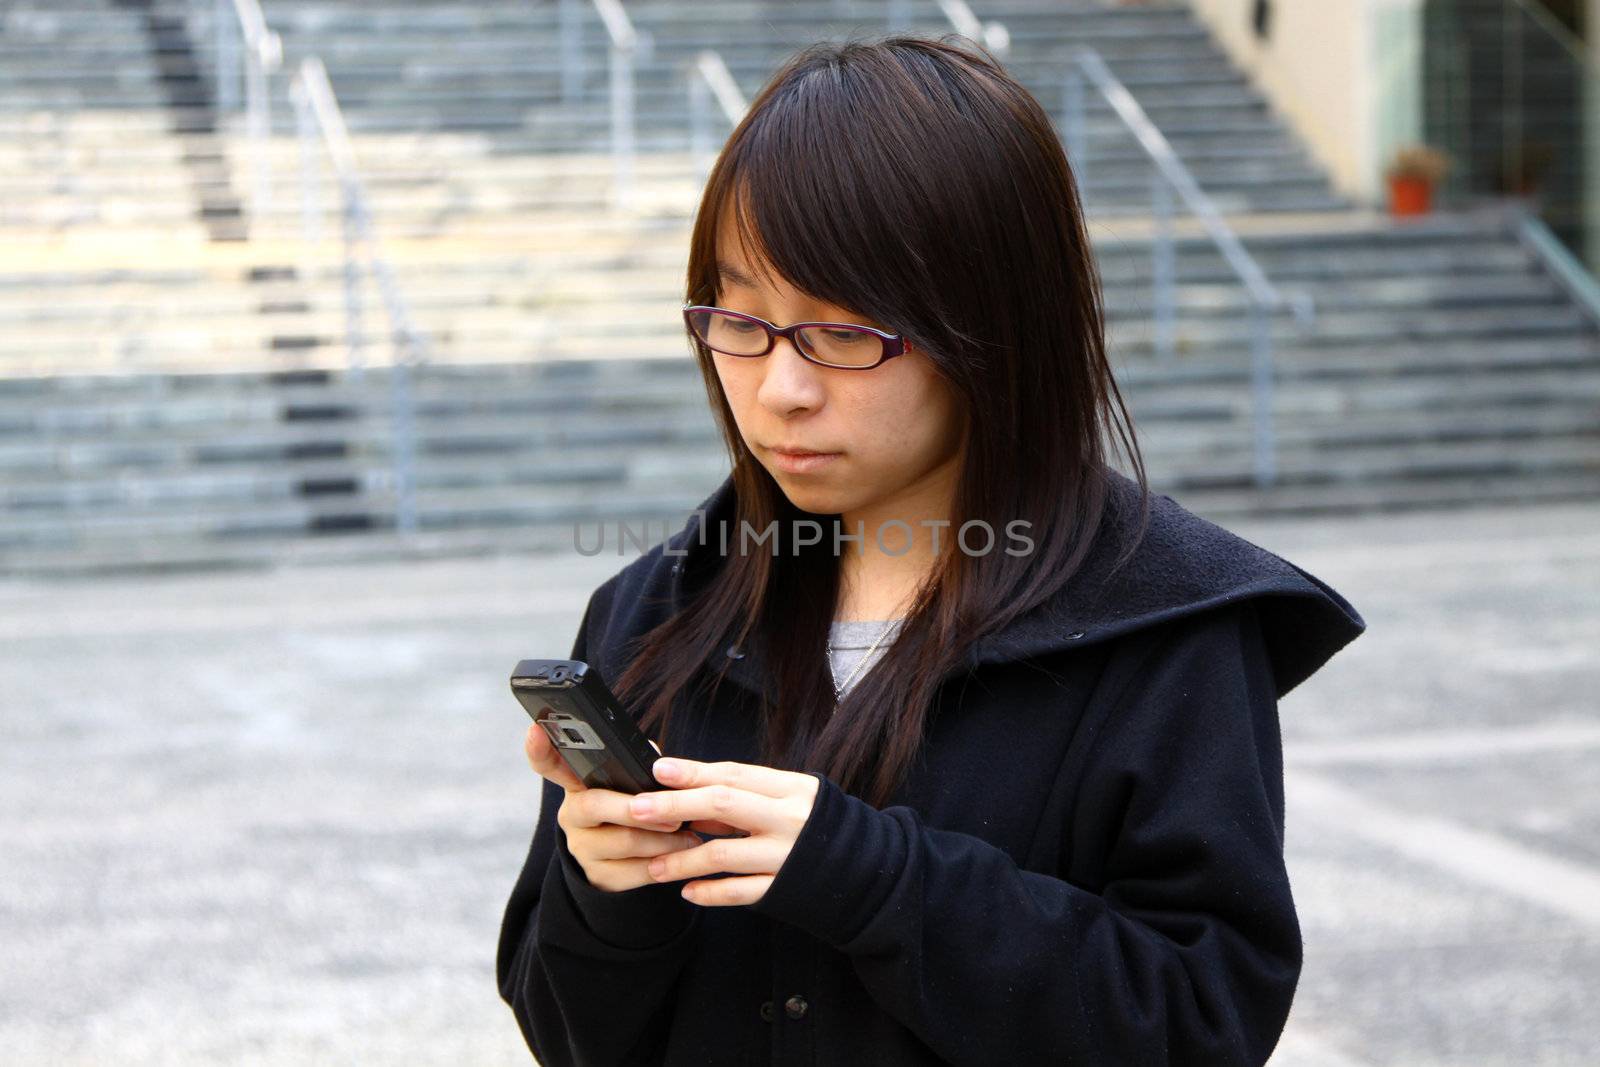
<point>840,687</point>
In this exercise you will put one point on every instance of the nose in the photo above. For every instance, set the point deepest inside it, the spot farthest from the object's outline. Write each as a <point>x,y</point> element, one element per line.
<point>790,381</point>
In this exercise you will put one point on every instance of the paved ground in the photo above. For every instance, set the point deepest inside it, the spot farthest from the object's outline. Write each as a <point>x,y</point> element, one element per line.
<point>272,819</point>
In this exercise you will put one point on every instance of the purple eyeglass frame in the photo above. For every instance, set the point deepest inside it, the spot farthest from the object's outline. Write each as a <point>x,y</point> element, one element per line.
<point>893,343</point>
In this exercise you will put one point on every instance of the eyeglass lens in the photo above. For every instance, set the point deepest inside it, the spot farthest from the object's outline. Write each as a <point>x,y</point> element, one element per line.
<point>846,346</point>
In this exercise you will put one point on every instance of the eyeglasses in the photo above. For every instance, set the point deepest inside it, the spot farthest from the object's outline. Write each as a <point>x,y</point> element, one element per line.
<point>828,344</point>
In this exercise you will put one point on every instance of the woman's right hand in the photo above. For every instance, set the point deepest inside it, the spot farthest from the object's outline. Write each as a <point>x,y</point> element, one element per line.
<point>613,847</point>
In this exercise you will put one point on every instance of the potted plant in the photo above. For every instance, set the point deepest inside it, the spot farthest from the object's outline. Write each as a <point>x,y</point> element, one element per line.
<point>1414,172</point>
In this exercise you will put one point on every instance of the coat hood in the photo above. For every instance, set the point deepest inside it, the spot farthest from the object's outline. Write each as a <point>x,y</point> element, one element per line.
<point>1184,564</point>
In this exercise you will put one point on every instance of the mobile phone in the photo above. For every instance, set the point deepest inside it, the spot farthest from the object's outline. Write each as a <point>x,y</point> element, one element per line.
<point>586,723</point>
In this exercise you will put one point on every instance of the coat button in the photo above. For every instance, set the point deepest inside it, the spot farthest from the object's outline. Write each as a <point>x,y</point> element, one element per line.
<point>795,1007</point>
<point>735,652</point>
<point>767,1011</point>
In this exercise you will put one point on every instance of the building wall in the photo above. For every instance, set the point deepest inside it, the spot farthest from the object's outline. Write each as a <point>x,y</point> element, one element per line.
<point>1345,74</point>
<point>1591,114</point>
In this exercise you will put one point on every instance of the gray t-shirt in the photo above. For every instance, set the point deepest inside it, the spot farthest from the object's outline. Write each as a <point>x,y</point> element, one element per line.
<point>850,641</point>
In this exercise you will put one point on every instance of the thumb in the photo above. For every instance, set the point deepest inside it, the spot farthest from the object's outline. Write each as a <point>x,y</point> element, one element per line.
<point>549,763</point>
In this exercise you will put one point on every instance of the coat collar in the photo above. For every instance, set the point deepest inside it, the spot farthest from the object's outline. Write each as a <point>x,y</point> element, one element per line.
<point>1185,564</point>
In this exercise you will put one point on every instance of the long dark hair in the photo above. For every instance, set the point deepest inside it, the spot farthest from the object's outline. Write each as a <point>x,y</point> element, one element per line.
<point>914,181</point>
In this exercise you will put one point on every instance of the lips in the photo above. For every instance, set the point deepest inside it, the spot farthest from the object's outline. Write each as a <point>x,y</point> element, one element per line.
<point>801,463</point>
<point>802,452</point>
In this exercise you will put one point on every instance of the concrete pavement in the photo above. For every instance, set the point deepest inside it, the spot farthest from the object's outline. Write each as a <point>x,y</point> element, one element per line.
<point>273,818</point>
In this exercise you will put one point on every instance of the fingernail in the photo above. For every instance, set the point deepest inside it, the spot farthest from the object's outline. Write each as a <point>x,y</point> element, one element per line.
<point>665,768</point>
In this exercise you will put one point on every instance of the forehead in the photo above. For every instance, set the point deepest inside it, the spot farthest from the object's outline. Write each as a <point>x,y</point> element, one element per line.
<point>741,268</point>
<point>756,279</point>
<point>739,261</point>
<point>746,268</point>
<point>732,273</point>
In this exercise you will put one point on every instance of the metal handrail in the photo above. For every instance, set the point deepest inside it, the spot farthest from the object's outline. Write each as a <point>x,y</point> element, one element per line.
<point>317,112</point>
<point>241,22</point>
<point>709,74</point>
<point>994,34</point>
<point>1171,174</point>
<point>1554,28</point>
<point>626,43</point>
<point>1568,271</point>
<point>617,22</point>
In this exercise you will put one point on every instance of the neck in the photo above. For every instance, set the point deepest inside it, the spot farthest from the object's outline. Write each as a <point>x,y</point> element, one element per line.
<point>879,576</point>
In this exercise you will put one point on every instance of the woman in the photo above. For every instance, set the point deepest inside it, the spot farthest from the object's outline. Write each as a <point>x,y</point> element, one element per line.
<point>1042,820</point>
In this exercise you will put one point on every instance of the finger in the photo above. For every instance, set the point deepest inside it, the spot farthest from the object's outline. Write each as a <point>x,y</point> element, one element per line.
<point>596,806</point>
<point>738,808</point>
<point>755,855</point>
<point>717,826</point>
<point>618,874</point>
<point>768,781</point>
<point>547,762</point>
<point>629,842</point>
<point>721,892</point>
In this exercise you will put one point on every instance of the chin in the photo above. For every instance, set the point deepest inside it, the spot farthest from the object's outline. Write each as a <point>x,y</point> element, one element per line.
<point>815,499</point>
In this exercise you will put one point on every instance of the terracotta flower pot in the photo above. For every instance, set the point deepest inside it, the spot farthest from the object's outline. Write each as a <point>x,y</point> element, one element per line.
<point>1410,195</point>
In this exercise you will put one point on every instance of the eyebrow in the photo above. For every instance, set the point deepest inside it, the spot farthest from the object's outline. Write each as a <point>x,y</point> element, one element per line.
<point>735,275</point>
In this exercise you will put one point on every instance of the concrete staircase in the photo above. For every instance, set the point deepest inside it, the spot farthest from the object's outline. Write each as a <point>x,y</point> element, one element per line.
<point>194,407</point>
<point>107,126</point>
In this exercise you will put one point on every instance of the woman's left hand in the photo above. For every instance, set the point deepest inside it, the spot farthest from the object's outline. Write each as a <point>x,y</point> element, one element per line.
<point>769,804</point>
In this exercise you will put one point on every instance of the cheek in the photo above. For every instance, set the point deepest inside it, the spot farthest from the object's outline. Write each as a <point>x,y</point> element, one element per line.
<point>732,380</point>
<point>739,385</point>
<point>908,414</point>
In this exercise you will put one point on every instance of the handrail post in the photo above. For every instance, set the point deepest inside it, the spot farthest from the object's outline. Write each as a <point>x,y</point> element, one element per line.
<point>408,345</point>
<point>1172,176</point>
<point>260,126</point>
<point>622,125</point>
<point>625,42</point>
<point>405,344</point>
<point>241,33</point>
<point>224,27</point>
<point>699,127</point>
<point>709,76</point>
<point>353,340</point>
<point>1076,127</point>
<point>570,14</point>
<point>1262,401</point>
<point>1163,267</point>
<point>405,437</point>
<point>310,182</point>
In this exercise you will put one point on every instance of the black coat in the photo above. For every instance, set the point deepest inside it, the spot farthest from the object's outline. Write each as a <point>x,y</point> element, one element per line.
<point>1087,867</point>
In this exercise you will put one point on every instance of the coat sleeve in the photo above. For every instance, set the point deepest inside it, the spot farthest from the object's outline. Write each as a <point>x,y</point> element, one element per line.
<point>589,974</point>
<point>1185,949</point>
